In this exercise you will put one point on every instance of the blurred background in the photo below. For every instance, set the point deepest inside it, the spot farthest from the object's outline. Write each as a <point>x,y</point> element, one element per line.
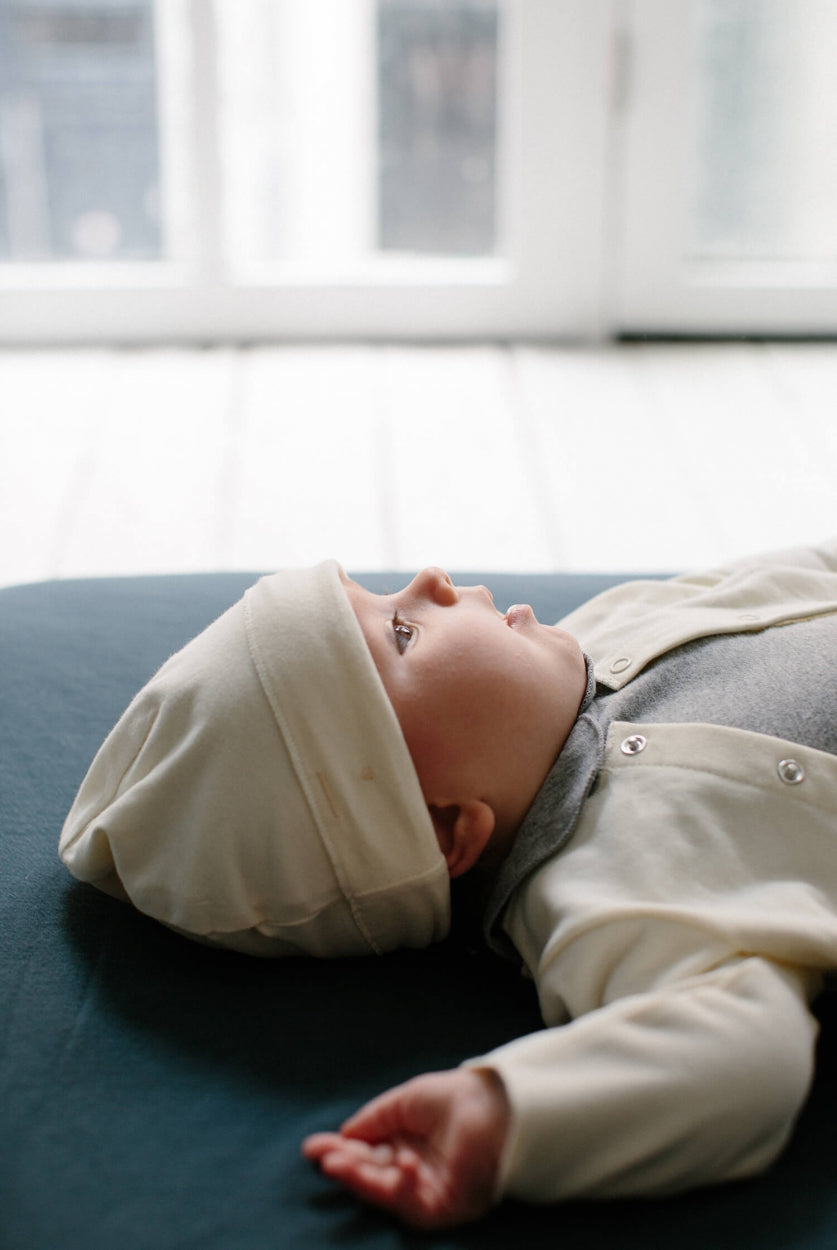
<point>496,284</point>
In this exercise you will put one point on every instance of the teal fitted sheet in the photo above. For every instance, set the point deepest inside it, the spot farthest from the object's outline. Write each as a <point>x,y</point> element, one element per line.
<point>153,1093</point>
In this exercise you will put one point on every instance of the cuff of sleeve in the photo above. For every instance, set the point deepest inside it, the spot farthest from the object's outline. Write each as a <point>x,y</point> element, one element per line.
<point>508,1153</point>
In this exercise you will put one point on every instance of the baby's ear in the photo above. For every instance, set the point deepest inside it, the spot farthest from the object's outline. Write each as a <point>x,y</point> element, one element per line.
<point>463,830</point>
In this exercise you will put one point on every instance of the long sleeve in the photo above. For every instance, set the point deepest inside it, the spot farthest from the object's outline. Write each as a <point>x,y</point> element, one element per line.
<point>681,929</point>
<point>694,1083</point>
<point>679,932</point>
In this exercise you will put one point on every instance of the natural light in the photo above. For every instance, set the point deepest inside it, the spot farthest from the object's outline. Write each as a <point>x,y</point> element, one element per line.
<point>197,169</point>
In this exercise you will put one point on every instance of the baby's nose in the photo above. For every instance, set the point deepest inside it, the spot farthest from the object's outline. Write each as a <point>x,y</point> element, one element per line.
<point>434,583</point>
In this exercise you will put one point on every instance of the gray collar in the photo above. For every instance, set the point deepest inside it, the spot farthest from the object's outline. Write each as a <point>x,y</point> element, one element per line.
<point>550,821</point>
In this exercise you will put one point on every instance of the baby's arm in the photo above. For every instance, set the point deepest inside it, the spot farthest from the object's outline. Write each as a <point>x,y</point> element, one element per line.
<point>655,1093</point>
<point>690,1084</point>
<point>428,1151</point>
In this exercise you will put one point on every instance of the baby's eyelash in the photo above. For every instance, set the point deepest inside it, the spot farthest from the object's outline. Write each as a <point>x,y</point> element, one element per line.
<point>403,633</point>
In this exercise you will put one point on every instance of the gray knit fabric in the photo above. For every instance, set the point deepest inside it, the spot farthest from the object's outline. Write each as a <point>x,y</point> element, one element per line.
<point>781,681</point>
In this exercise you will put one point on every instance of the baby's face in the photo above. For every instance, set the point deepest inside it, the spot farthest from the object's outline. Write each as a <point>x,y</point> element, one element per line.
<point>485,700</point>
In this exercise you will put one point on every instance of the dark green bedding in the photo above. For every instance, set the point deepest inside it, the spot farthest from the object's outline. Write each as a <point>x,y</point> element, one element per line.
<point>153,1093</point>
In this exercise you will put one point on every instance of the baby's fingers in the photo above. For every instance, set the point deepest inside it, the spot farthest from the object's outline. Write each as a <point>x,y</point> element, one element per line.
<point>385,1177</point>
<point>318,1144</point>
<point>337,1153</point>
<point>371,1172</point>
<point>379,1119</point>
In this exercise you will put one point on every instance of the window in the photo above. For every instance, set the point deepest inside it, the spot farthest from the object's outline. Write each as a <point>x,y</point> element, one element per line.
<point>381,138</point>
<point>205,169</point>
<point>729,219</point>
<point>79,153</point>
<point>308,167</point>
<point>766,131</point>
<point>437,127</point>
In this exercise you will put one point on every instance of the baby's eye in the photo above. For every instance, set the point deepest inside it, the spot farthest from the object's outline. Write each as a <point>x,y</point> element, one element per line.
<point>403,633</point>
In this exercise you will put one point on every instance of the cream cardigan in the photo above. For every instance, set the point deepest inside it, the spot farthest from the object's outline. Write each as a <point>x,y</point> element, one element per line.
<point>678,938</point>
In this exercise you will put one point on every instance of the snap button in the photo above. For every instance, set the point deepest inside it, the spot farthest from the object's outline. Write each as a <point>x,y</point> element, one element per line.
<point>791,772</point>
<point>619,666</point>
<point>633,745</point>
<point>748,616</point>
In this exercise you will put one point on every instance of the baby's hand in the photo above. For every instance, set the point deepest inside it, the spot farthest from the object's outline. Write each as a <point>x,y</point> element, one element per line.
<point>428,1150</point>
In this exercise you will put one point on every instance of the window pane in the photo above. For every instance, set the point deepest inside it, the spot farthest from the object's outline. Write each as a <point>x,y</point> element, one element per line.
<point>437,72</point>
<point>348,130</point>
<point>767,130</point>
<point>79,165</point>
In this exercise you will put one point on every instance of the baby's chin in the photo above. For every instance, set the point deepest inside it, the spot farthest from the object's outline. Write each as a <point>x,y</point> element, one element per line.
<point>572,658</point>
<point>567,642</point>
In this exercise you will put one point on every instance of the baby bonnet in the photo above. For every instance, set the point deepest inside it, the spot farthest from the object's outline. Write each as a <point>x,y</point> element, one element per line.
<point>258,792</point>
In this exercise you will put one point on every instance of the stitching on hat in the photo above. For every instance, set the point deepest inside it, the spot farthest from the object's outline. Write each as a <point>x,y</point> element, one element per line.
<point>327,793</point>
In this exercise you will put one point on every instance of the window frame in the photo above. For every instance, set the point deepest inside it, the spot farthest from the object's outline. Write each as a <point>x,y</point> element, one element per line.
<point>659,289</point>
<point>548,282</point>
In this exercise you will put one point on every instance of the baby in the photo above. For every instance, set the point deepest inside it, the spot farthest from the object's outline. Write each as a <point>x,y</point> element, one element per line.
<point>307,775</point>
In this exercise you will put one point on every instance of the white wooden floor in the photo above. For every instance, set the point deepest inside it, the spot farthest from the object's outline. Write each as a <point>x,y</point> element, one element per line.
<point>636,457</point>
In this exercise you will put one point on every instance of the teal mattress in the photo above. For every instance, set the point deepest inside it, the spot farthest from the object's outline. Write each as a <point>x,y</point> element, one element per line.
<point>153,1093</point>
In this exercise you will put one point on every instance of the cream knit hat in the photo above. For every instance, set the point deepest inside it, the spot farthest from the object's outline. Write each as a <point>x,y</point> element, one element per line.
<point>258,792</point>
